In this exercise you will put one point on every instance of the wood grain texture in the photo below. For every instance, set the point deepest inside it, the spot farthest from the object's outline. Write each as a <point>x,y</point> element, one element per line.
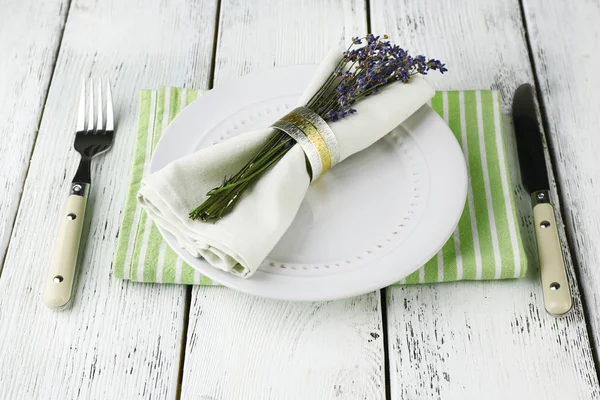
<point>566,61</point>
<point>29,40</point>
<point>240,347</point>
<point>119,340</point>
<point>474,340</point>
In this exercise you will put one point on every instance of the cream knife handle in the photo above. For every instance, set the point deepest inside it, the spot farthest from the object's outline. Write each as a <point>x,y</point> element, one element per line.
<point>557,295</point>
<point>59,282</point>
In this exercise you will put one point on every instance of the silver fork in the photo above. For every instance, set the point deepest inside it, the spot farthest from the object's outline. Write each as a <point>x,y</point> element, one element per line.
<point>89,142</point>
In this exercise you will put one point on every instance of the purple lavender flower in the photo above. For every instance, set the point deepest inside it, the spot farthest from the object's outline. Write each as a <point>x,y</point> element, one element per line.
<point>364,71</point>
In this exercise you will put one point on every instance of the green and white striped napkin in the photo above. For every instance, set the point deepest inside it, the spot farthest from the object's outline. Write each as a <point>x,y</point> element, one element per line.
<point>486,245</point>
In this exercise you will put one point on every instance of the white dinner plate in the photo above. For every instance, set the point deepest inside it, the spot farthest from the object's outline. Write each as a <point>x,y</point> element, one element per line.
<point>367,223</point>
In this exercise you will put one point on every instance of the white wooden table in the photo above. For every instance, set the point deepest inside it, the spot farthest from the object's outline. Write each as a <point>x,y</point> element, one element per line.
<point>122,340</point>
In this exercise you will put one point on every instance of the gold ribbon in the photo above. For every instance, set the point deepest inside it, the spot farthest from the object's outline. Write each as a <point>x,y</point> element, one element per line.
<point>314,135</point>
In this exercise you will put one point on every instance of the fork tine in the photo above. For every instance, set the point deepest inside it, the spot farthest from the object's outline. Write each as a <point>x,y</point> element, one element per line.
<point>99,127</point>
<point>110,122</point>
<point>90,127</point>
<point>81,112</point>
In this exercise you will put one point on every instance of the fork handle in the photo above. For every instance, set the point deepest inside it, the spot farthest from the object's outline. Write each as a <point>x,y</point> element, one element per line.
<point>59,282</point>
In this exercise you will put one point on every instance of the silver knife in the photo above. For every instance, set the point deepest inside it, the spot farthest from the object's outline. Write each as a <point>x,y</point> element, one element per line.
<point>555,286</point>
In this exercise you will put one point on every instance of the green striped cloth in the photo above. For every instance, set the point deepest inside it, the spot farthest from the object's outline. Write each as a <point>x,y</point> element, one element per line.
<point>486,245</point>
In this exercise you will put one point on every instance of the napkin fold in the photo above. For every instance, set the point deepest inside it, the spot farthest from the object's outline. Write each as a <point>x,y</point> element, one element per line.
<point>486,245</point>
<point>239,242</point>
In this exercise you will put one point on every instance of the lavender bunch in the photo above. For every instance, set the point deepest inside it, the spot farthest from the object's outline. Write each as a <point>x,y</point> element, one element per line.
<point>367,66</point>
<point>363,71</point>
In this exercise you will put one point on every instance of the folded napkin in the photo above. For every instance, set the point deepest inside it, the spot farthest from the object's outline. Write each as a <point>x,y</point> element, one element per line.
<point>239,242</point>
<point>486,244</point>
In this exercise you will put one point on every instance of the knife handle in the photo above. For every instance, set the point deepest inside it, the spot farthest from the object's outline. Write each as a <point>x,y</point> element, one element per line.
<point>59,282</point>
<point>557,295</point>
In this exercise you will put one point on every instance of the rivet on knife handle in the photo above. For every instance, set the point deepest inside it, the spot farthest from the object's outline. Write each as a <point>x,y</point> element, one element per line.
<point>58,287</point>
<point>555,286</point>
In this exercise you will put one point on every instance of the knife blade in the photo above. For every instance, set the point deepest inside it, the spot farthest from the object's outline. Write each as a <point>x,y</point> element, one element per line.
<point>555,286</point>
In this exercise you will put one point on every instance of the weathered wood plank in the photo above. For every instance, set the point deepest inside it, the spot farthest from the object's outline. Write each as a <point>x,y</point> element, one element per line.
<point>243,347</point>
<point>119,340</point>
<point>566,61</point>
<point>29,39</point>
<point>481,340</point>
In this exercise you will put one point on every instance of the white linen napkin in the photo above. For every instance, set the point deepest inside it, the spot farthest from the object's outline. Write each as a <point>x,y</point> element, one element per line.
<point>240,241</point>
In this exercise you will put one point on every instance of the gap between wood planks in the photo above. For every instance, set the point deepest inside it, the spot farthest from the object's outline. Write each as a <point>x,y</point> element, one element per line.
<point>548,136</point>
<point>188,288</point>
<point>382,291</point>
<point>37,131</point>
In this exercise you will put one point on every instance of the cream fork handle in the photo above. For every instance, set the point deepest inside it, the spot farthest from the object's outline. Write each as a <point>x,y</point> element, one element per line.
<point>59,282</point>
